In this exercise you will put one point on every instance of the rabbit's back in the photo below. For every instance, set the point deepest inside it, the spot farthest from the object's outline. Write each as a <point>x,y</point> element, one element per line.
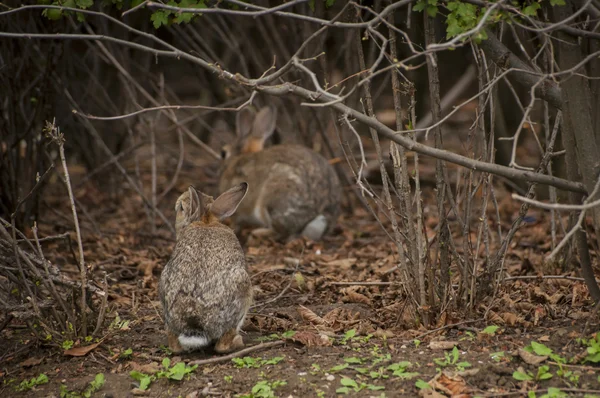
<point>205,286</point>
<point>291,186</point>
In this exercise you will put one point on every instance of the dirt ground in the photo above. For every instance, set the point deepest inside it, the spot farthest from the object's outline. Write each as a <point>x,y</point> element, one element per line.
<point>338,338</point>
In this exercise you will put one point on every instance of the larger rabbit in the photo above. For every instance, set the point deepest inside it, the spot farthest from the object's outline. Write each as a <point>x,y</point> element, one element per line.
<point>295,191</point>
<point>205,289</point>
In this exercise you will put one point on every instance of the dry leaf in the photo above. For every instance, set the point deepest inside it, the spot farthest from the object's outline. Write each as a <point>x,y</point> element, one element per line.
<point>452,385</point>
<point>310,316</point>
<point>442,345</point>
<point>81,350</point>
<point>31,362</point>
<point>148,368</point>
<point>311,339</point>
<point>351,296</point>
<point>530,358</point>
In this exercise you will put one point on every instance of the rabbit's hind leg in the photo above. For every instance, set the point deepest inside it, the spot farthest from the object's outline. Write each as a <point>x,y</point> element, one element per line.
<point>229,342</point>
<point>174,345</point>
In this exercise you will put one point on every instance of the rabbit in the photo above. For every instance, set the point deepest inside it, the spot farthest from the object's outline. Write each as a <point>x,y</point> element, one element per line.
<point>205,289</point>
<point>295,191</point>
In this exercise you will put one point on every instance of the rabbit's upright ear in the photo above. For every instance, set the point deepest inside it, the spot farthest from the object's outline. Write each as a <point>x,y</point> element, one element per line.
<point>226,204</point>
<point>243,122</point>
<point>194,210</point>
<point>262,128</point>
<point>264,123</point>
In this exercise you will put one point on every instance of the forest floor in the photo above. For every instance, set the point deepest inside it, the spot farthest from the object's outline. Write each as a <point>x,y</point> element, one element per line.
<point>330,316</point>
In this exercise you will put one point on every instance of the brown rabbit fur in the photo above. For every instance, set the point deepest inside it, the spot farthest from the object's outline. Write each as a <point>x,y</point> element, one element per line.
<point>205,289</point>
<point>295,191</point>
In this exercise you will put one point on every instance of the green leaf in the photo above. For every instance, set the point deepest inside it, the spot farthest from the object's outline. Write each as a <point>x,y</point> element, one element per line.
<point>166,363</point>
<point>342,390</point>
<point>330,3</point>
<point>491,330</point>
<point>531,10</point>
<point>521,376</point>
<point>311,5</point>
<point>353,360</point>
<point>348,382</point>
<point>540,349</point>
<point>84,3</point>
<point>557,3</point>
<point>159,18</point>
<point>432,11</point>
<point>422,385</point>
<point>337,368</point>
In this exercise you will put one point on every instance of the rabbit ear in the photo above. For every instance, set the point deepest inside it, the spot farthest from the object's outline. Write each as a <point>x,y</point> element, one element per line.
<point>195,207</point>
<point>226,204</point>
<point>264,123</point>
<point>243,122</point>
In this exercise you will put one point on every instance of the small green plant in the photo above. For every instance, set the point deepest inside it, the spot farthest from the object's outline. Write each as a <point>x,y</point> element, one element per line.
<point>417,343</point>
<point>542,350</point>
<point>126,354</point>
<point>278,336</point>
<point>522,376</point>
<point>469,336</point>
<point>349,385</point>
<point>315,368</point>
<point>543,373</point>
<point>553,392</point>
<point>337,368</point>
<point>67,344</point>
<point>422,385</point>
<point>177,372</point>
<point>249,362</point>
<point>348,336</point>
<point>400,370</point>
<point>498,356</point>
<point>143,379</point>
<point>490,330</point>
<point>27,385</point>
<point>593,349</point>
<point>91,388</point>
<point>569,375</point>
<point>119,324</point>
<point>264,389</point>
<point>451,359</point>
<point>228,379</point>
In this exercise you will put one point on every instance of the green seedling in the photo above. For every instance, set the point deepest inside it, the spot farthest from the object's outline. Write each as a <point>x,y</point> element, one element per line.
<point>126,354</point>
<point>349,385</point>
<point>337,368</point>
<point>399,370</point>
<point>417,343</point>
<point>143,379</point>
<point>228,379</point>
<point>451,359</point>
<point>264,389</point>
<point>490,330</point>
<point>569,375</point>
<point>521,376</point>
<point>177,372</point>
<point>27,385</point>
<point>542,350</point>
<point>422,385</point>
<point>94,386</point>
<point>469,336</point>
<point>543,373</point>
<point>553,392</point>
<point>278,336</point>
<point>593,349</point>
<point>119,324</point>
<point>315,368</point>
<point>249,362</point>
<point>67,344</point>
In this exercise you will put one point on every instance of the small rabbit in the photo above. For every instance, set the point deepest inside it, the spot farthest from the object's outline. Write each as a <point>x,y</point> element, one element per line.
<point>295,191</point>
<point>205,289</point>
